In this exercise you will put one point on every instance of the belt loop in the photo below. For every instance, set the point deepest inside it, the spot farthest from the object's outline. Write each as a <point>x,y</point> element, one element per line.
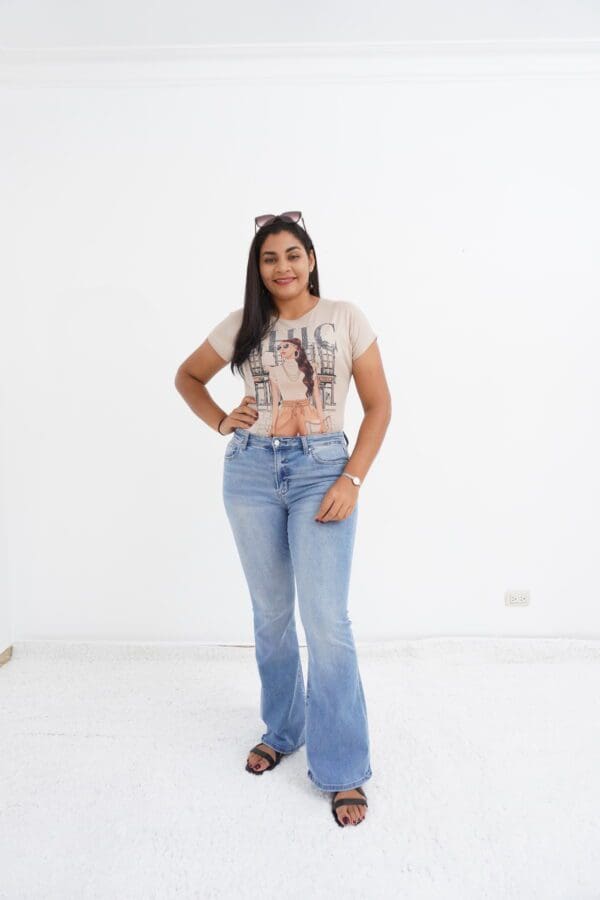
<point>304,443</point>
<point>245,436</point>
<point>346,436</point>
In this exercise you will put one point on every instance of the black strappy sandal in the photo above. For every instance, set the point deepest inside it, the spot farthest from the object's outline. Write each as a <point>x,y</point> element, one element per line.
<point>347,801</point>
<point>272,762</point>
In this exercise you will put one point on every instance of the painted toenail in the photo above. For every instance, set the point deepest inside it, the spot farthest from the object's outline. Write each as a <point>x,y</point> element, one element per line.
<point>346,820</point>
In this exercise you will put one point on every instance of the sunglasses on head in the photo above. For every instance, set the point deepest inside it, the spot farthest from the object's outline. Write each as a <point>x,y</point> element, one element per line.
<point>261,221</point>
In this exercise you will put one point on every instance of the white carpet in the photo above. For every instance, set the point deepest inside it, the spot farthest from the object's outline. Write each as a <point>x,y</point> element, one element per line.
<point>122,776</point>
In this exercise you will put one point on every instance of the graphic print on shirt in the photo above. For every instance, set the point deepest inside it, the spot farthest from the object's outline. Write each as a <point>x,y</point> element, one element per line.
<point>294,381</point>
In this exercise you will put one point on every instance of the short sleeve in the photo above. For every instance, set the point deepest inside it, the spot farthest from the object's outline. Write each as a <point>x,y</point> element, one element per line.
<point>222,337</point>
<point>362,334</point>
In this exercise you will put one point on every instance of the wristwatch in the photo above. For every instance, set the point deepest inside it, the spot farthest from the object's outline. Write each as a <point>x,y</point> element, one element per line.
<point>354,478</point>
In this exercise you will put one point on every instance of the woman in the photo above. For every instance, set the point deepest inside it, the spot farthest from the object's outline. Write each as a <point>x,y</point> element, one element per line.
<point>297,415</point>
<point>286,471</point>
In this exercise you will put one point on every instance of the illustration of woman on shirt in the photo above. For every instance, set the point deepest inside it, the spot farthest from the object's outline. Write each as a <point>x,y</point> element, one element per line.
<point>296,383</point>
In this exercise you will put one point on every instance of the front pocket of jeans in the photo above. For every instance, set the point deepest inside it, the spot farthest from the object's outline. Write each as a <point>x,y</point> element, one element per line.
<point>232,448</point>
<point>332,452</point>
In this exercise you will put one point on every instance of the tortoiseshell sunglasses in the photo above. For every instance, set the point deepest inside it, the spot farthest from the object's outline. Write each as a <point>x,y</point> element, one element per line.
<point>261,221</point>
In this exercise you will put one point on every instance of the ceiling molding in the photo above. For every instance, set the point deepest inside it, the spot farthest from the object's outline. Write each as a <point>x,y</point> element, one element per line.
<point>313,63</point>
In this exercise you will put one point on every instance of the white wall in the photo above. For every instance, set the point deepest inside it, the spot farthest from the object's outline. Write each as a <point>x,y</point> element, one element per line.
<point>68,23</point>
<point>452,192</point>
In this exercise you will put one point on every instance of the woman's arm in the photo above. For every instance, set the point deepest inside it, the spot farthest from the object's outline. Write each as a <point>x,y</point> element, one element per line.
<point>376,400</point>
<point>191,379</point>
<point>341,498</point>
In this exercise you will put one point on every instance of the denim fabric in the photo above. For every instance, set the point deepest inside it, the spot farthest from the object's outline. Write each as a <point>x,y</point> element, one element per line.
<point>272,489</point>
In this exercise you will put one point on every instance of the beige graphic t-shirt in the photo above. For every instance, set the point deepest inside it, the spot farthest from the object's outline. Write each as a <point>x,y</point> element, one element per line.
<point>301,373</point>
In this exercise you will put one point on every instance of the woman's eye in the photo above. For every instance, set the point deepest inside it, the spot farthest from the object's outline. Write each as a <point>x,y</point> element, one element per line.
<point>272,261</point>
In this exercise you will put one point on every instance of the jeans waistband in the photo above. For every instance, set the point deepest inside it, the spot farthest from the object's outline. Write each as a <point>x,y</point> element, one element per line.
<point>300,441</point>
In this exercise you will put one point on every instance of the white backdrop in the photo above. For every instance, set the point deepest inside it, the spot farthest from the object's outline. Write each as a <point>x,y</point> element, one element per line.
<point>451,191</point>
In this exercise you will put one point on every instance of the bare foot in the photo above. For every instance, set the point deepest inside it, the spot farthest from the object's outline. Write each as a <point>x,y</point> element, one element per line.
<point>353,812</point>
<point>257,762</point>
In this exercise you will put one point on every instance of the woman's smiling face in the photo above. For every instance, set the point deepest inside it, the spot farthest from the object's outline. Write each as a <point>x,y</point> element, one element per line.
<point>284,265</point>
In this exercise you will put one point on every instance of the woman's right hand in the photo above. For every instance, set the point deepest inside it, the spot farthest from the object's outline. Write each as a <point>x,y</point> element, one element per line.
<point>243,416</point>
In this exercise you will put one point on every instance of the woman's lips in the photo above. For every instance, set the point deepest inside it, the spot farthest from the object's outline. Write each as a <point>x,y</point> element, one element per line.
<point>284,280</point>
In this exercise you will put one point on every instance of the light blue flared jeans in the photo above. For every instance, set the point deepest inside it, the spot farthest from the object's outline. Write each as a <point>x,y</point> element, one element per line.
<point>272,490</point>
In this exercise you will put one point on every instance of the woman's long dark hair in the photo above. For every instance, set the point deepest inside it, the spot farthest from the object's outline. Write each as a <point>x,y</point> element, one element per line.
<point>258,303</point>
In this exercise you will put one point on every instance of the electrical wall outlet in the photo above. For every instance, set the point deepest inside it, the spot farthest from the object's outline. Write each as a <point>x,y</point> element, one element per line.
<point>516,598</point>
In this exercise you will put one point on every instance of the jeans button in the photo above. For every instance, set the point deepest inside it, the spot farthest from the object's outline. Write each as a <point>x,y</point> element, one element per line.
<point>276,442</point>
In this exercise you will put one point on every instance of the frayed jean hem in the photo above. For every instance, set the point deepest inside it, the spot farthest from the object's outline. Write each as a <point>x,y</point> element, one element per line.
<point>340,787</point>
<point>280,749</point>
